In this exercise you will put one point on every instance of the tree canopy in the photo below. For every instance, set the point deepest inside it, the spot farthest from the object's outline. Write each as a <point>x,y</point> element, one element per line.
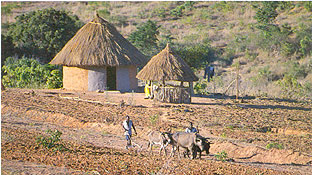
<point>145,37</point>
<point>43,33</point>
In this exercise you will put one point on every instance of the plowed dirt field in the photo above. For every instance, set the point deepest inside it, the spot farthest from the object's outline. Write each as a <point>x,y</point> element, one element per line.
<point>93,141</point>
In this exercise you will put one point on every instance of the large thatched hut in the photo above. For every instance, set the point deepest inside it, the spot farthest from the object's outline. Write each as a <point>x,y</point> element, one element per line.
<point>98,57</point>
<point>168,66</point>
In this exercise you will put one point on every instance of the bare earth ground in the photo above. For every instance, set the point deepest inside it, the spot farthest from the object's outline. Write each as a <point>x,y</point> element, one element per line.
<point>93,137</point>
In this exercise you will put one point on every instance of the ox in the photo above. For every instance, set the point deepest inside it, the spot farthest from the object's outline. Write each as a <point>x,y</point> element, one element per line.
<point>189,141</point>
<point>160,138</point>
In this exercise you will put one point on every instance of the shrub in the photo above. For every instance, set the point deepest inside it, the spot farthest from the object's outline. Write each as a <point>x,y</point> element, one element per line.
<point>274,145</point>
<point>290,86</point>
<point>303,39</point>
<point>43,33</point>
<point>52,141</point>
<point>308,6</point>
<point>200,87</point>
<point>55,80</point>
<point>266,12</point>
<point>154,119</point>
<point>178,11</point>
<point>222,156</point>
<point>29,73</point>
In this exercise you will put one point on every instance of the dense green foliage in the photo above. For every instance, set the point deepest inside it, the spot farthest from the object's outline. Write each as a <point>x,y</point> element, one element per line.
<point>7,47</point>
<point>43,33</point>
<point>29,73</point>
<point>145,37</point>
<point>196,55</point>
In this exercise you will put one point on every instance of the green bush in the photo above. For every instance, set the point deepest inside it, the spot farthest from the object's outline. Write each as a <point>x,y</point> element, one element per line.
<point>290,87</point>
<point>179,10</point>
<point>222,156</point>
<point>303,39</point>
<point>51,142</point>
<point>200,87</point>
<point>29,73</point>
<point>274,145</point>
<point>154,119</point>
<point>285,5</point>
<point>55,80</point>
<point>43,33</point>
<point>308,6</point>
<point>266,12</point>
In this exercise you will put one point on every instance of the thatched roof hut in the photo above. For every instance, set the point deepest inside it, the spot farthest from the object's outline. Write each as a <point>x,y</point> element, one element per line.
<point>98,43</point>
<point>98,57</point>
<point>165,66</point>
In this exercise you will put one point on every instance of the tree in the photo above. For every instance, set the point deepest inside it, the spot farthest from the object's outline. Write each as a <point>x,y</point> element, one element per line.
<point>145,37</point>
<point>43,33</point>
<point>7,48</point>
<point>196,55</point>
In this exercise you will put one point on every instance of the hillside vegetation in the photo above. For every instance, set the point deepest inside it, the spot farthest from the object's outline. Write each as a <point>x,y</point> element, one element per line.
<point>270,42</point>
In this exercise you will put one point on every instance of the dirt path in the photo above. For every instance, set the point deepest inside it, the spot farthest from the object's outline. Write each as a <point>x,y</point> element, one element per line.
<point>46,110</point>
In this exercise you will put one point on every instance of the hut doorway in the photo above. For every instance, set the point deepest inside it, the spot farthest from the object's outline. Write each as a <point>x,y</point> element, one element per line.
<point>111,78</point>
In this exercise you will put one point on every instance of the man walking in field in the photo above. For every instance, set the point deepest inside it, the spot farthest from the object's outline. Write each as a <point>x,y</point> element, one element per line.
<point>191,128</point>
<point>127,125</point>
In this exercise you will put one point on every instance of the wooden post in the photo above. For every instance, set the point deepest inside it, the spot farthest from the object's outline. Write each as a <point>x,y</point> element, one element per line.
<point>237,81</point>
<point>191,87</point>
<point>214,87</point>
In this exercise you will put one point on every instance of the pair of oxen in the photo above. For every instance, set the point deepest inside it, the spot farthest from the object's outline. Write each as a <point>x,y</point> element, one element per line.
<point>190,142</point>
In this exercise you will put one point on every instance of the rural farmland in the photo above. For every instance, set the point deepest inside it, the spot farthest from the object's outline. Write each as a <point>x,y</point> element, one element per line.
<point>225,86</point>
<point>91,131</point>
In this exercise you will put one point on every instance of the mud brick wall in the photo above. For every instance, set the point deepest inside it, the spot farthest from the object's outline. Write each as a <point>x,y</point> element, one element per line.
<point>132,77</point>
<point>75,78</point>
<point>126,78</point>
<point>97,78</point>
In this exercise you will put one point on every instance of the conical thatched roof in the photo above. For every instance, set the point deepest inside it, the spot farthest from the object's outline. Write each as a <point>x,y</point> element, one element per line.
<point>98,43</point>
<point>165,66</point>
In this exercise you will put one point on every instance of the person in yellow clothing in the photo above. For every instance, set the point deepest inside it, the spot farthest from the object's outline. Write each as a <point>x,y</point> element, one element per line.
<point>147,90</point>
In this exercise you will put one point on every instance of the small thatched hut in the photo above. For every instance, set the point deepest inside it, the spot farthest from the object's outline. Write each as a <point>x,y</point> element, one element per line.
<point>168,66</point>
<point>98,57</point>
